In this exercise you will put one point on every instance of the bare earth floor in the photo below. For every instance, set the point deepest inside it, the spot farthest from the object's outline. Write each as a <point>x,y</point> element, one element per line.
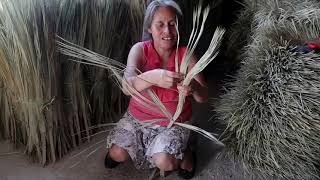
<point>86,163</point>
<point>18,167</point>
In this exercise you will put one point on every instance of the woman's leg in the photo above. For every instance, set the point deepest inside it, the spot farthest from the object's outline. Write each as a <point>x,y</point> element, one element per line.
<point>187,161</point>
<point>118,154</point>
<point>165,161</point>
<point>168,162</point>
<point>124,143</point>
<point>167,146</point>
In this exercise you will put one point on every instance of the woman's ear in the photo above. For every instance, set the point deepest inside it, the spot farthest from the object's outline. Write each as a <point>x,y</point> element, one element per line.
<point>149,30</point>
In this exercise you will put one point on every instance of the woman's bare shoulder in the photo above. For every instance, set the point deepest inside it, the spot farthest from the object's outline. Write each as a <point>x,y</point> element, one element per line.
<point>136,54</point>
<point>137,46</point>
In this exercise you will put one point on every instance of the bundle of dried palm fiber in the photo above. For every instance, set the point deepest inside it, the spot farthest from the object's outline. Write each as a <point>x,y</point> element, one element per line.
<point>31,111</point>
<point>49,104</point>
<point>271,110</point>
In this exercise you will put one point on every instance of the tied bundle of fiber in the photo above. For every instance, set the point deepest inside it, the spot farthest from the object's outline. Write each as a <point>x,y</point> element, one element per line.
<point>271,110</point>
<point>30,109</point>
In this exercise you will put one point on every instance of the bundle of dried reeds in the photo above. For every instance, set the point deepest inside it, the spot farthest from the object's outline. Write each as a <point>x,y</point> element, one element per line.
<point>271,111</point>
<point>27,73</point>
<point>48,103</point>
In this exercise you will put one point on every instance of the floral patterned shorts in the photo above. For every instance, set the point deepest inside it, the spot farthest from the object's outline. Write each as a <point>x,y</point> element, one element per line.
<point>143,142</point>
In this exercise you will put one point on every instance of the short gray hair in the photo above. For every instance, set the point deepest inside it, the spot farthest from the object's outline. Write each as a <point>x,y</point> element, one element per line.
<point>152,8</point>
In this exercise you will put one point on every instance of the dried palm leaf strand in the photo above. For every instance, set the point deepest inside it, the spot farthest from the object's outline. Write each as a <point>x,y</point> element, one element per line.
<point>89,57</point>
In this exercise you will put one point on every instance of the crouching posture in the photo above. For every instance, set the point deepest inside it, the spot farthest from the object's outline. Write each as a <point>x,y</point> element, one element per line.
<point>156,145</point>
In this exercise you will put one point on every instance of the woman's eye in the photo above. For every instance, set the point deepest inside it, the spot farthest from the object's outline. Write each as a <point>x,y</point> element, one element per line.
<point>159,24</point>
<point>172,24</point>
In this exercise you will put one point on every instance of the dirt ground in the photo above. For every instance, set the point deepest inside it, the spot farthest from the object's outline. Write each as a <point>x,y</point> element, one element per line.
<point>87,162</point>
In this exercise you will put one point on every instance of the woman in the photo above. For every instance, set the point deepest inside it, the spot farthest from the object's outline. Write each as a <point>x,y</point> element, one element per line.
<point>155,145</point>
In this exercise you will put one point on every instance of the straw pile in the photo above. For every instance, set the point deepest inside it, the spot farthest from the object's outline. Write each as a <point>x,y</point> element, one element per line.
<point>49,104</point>
<point>271,110</point>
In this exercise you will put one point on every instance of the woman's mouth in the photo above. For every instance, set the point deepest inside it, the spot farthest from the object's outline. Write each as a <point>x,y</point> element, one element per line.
<point>167,38</point>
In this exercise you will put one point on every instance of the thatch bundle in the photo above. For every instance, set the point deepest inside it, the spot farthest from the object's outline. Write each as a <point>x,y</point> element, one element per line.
<point>271,110</point>
<point>49,104</point>
<point>26,73</point>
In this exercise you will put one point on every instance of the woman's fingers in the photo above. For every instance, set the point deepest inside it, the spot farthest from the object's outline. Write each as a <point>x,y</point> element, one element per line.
<point>167,78</point>
<point>171,78</point>
<point>173,74</point>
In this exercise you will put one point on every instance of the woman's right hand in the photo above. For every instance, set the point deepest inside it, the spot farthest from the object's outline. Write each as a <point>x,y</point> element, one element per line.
<point>164,78</point>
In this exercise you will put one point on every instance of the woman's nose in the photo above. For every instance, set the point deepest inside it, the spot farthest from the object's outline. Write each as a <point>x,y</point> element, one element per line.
<point>166,29</point>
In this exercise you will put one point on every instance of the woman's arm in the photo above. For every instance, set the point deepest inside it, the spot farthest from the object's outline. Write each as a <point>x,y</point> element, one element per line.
<point>140,82</point>
<point>134,63</point>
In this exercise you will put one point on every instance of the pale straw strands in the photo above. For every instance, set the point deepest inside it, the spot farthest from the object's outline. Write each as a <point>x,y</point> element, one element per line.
<point>209,55</point>
<point>81,53</point>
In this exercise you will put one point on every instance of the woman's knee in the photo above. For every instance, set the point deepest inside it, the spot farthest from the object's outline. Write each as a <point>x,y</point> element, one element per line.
<point>165,161</point>
<point>118,154</point>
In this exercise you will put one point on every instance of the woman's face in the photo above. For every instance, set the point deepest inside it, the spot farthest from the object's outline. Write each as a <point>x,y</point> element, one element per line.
<point>163,29</point>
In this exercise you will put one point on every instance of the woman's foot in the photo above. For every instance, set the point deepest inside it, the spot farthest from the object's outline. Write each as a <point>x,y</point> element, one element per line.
<point>110,163</point>
<point>188,165</point>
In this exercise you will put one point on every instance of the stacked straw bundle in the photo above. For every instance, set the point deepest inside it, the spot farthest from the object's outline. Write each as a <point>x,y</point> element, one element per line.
<point>49,104</point>
<point>271,111</point>
<point>28,73</point>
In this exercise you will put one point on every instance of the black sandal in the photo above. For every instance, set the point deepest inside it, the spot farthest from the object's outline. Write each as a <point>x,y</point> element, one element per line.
<point>110,163</point>
<point>185,174</point>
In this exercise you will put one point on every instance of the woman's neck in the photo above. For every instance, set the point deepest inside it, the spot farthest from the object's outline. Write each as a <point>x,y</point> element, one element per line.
<point>164,54</point>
